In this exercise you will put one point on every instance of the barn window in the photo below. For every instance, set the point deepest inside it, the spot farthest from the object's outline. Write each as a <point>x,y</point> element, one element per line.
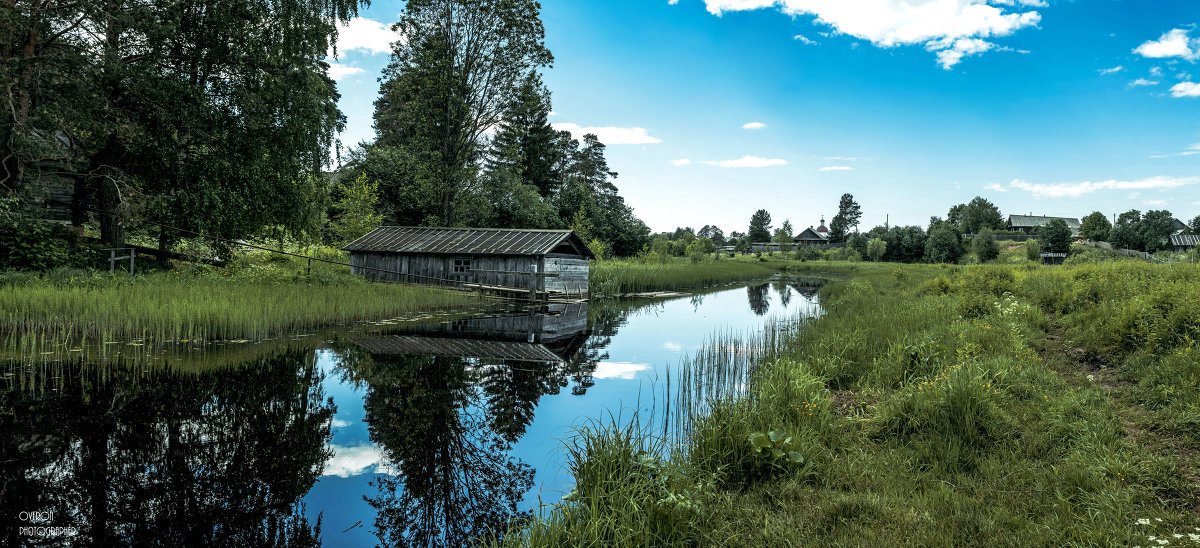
<point>462,265</point>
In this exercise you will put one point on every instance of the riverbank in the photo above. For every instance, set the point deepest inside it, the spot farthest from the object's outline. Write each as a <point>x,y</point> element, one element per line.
<point>930,406</point>
<point>620,277</point>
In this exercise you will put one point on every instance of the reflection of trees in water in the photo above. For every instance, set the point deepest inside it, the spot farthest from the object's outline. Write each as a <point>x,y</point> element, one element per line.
<point>454,479</point>
<point>170,459</point>
<point>785,292</point>
<point>760,300</point>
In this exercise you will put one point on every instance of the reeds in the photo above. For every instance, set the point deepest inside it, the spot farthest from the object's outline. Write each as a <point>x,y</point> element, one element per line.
<point>170,308</point>
<point>616,277</point>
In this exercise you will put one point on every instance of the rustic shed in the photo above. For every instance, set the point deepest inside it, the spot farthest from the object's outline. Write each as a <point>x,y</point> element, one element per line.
<point>542,261</point>
<point>1054,258</point>
<point>1184,242</point>
<point>1029,223</point>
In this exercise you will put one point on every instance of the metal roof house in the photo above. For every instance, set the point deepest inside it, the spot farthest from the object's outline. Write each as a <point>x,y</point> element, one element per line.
<point>812,237</point>
<point>1183,242</point>
<point>540,262</point>
<point>1027,223</point>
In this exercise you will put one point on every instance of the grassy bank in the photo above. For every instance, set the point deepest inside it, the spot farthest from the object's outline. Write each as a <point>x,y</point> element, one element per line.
<point>252,300</point>
<point>930,406</point>
<point>617,277</point>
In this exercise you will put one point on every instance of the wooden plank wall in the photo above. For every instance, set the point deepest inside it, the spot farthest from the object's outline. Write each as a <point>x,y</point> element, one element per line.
<point>497,270</point>
<point>572,275</point>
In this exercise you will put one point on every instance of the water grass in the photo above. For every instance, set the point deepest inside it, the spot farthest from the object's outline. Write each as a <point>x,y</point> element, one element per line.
<point>618,277</point>
<point>169,307</point>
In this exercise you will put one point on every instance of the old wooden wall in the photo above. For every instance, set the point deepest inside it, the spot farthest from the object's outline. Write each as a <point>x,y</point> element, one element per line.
<point>572,275</point>
<point>496,270</point>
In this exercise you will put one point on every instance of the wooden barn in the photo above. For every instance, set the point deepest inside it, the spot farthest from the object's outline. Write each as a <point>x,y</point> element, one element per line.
<point>526,261</point>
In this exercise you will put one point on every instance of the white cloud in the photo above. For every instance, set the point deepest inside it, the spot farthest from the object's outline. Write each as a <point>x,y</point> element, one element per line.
<point>682,162</point>
<point>1185,89</point>
<point>365,34</point>
<point>955,27</point>
<point>338,423</point>
<point>1156,71</point>
<point>953,55</point>
<point>804,39</point>
<point>754,125</point>
<point>1142,82</point>
<point>841,159</point>
<point>1075,190</point>
<point>339,71</point>
<point>353,461</point>
<point>1154,203</point>
<point>610,135</point>
<point>1107,71</point>
<point>619,370</point>
<point>672,2</point>
<point>748,161</point>
<point>995,187</point>
<point>1172,44</point>
<point>837,168</point>
<point>1160,155</point>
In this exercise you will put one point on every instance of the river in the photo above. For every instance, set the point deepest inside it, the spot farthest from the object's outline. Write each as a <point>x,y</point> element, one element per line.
<point>395,435</point>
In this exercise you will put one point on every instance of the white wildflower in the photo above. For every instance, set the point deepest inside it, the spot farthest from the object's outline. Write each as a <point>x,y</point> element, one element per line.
<point>1091,378</point>
<point>1143,521</point>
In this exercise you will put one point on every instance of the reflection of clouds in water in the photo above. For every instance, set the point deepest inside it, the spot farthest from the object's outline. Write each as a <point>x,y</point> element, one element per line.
<point>353,461</point>
<point>338,423</point>
<point>672,346</point>
<point>619,370</point>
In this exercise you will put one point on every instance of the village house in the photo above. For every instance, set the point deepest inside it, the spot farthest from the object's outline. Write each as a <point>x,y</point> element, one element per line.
<point>811,236</point>
<point>539,263</point>
<point>1028,223</point>
<point>1181,243</point>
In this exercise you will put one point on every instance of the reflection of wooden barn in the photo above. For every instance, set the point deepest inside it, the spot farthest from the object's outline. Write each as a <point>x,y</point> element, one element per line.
<point>543,261</point>
<point>553,335</point>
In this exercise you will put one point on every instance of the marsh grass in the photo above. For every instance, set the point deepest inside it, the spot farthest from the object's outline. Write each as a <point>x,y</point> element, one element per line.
<point>941,406</point>
<point>618,277</point>
<point>45,314</point>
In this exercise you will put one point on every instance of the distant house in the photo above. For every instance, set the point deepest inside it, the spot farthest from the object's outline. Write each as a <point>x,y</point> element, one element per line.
<point>1183,242</point>
<point>1180,227</point>
<point>519,260</point>
<point>1054,258</point>
<point>1027,223</point>
<point>813,236</point>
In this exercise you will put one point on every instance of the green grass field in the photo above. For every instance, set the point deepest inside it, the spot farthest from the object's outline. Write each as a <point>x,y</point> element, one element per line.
<point>989,405</point>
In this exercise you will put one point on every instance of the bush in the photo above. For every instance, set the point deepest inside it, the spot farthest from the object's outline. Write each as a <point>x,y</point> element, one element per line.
<point>943,246</point>
<point>842,254</point>
<point>1033,250</point>
<point>876,249</point>
<point>985,246</point>
<point>807,253</point>
<point>37,245</point>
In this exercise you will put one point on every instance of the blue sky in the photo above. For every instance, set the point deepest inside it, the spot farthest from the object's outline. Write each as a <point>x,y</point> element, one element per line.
<point>713,109</point>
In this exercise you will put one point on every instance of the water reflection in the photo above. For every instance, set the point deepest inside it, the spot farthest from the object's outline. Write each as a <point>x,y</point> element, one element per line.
<point>443,432</point>
<point>127,456</point>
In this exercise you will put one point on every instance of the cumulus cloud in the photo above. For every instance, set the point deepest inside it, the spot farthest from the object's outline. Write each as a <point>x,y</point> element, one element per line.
<point>953,29</point>
<point>804,39</point>
<point>339,71</point>
<point>837,168</point>
<point>353,461</point>
<point>682,162</point>
<point>1185,89</point>
<point>338,423</point>
<point>610,135</point>
<point>1075,190</point>
<point>1172,44</point>
<point>619,370</point>
<point>748,161</point>
<point>365,35</point>
<point>1107,71</point>
<point>754,125</point>
<point>995,187</point>
<point>1142,82</point>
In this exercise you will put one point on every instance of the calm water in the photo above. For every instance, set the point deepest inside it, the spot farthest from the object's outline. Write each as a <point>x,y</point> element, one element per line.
<point>426,435</point>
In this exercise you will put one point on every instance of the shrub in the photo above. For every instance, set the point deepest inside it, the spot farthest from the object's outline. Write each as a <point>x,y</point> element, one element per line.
<point>943,246</point>
<point>1033,250</point>
<point>985,246</point>
<point>842,254</point>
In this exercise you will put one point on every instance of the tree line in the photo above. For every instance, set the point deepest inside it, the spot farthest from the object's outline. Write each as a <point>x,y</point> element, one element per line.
<point>168,118</point>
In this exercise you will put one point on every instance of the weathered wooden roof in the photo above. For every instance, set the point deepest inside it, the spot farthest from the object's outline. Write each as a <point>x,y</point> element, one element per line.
<point>465,348</point>
<point>1038,220</point>
<point>810,235</point>
<point>1189,240</point>
<point>476,241</point>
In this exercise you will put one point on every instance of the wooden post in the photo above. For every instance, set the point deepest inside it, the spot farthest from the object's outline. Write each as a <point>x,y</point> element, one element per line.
<point>132,256</point>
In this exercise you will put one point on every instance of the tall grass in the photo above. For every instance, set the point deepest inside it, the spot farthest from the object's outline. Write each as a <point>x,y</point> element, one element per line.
<point>172,307</point>
<point>618,277</point>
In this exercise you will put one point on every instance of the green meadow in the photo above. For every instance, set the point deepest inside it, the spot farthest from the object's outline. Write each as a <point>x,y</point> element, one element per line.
<point>986,405</point>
